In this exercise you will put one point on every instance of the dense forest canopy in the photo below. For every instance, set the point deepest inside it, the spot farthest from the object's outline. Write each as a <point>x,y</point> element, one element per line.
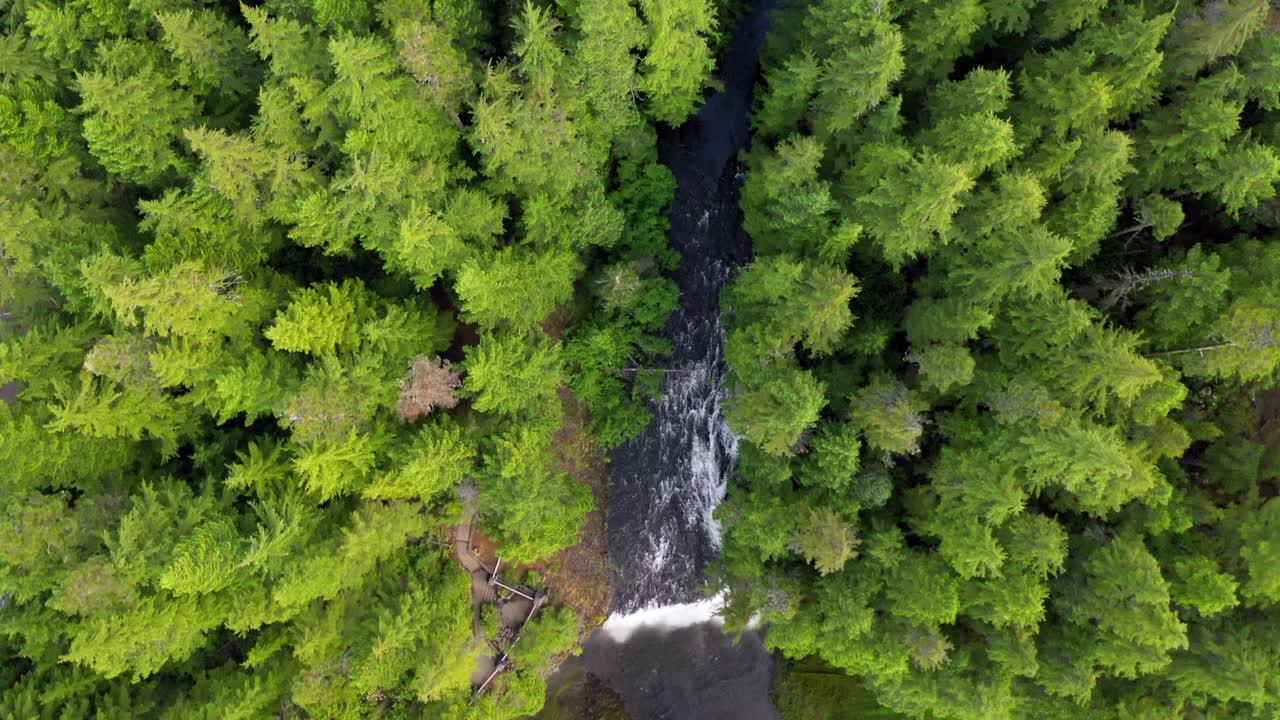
<point>290,288</point>
<point>1004,360</point>
<point>278,278</point>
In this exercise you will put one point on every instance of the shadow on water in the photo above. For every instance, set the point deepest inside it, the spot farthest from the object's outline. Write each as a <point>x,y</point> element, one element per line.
<point>665,674</point>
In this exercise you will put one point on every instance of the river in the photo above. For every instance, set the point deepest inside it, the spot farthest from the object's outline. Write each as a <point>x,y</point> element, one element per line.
<point>665,484</point>
<point>662,654</point>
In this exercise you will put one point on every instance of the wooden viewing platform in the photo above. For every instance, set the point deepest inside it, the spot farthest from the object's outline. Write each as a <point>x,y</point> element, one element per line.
<point>504,662</point>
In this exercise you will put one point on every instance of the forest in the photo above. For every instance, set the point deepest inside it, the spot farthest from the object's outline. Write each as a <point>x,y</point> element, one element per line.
<point>290,289</point>
<point>277,278</point>
<point>1004,363</point>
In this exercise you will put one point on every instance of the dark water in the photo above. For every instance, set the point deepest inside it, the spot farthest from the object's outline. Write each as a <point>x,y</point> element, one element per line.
<point>665,483</point>
<point>689,673</point>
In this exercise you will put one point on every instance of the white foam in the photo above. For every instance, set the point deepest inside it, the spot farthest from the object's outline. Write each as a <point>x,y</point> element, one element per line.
<point>666,617</point>
<point>660,553</point>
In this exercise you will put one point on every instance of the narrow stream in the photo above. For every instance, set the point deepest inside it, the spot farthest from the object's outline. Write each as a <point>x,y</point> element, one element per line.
<point>663,655</point>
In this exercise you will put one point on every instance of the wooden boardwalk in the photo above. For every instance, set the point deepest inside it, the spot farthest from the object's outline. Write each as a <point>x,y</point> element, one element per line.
<point>486,588</point>
<point>462,546</point>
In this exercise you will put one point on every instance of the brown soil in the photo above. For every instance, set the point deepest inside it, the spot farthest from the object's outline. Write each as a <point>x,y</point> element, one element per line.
<point>485,548</point>
<point>579,575</point>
